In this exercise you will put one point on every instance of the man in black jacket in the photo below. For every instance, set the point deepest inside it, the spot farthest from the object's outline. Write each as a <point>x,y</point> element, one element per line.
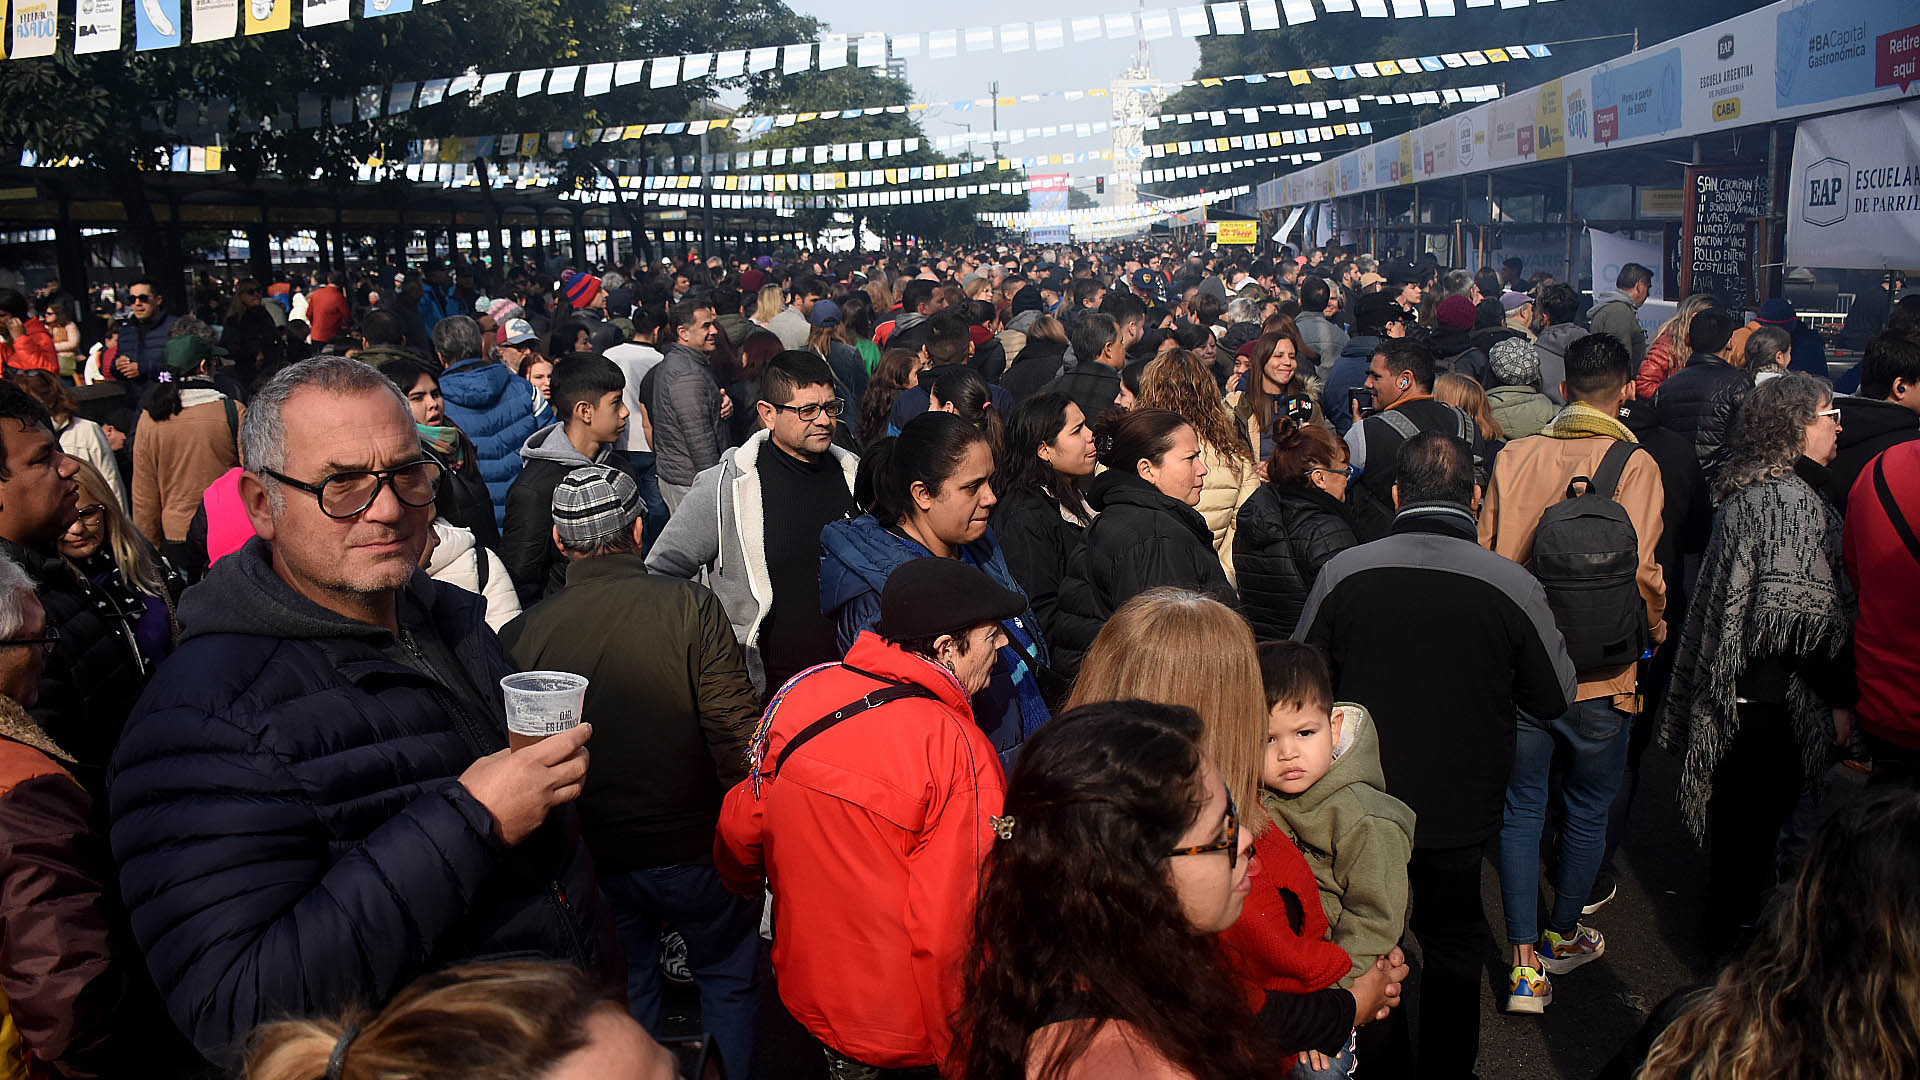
<point>314,802</point>
<point>1445,708</point>
<point>672,712</point>
<point>1094,380</point>
<point>1885,413</point>
<point>94,677</point>
<point>1699,401</point>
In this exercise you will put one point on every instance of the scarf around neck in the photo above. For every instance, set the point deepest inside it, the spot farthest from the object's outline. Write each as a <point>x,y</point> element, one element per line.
<point>1579,420</point>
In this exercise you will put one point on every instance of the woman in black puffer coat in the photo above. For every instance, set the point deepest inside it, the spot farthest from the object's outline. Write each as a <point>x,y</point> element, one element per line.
<point>1292,526</point>
<point>1148,533</point>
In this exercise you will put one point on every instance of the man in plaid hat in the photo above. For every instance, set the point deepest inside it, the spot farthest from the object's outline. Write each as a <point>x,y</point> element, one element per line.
<point>672,715</point>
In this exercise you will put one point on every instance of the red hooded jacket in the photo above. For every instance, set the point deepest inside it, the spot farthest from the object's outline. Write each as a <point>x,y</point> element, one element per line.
<point>1886,575</point>
<point>871,838</point>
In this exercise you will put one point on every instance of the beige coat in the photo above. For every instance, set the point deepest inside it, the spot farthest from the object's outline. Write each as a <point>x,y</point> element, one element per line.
<point>1229,483</point>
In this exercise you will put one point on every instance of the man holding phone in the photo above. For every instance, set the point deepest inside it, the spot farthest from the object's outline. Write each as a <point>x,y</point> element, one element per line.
<point>1376,318</point>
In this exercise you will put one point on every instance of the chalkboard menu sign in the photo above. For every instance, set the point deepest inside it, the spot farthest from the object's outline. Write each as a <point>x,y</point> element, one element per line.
<point>1719,234</point>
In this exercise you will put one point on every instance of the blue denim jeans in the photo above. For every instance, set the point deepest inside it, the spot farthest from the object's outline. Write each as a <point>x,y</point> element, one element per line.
<point>653,508</point>
<point>1593,735</point>
<point>722,931</point>
<point>1339,1066</point>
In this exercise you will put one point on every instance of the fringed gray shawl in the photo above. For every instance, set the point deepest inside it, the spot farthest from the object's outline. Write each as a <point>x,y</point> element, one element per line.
<point>1772,584</point>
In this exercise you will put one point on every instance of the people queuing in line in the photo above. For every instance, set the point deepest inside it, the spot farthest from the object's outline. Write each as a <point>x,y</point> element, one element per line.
<point>1093,660</point>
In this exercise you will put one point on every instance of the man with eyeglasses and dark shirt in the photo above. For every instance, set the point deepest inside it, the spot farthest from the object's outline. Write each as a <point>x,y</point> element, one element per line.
<point>314,802</point>
<point>142,341</point>
<point>753,522</point>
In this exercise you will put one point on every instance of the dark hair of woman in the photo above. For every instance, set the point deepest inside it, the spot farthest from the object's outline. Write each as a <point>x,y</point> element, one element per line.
<point>1036,422</point>
<point>760,347</point>
<point>243,287</point>
<point>972,400</point>
<point>1299,447</point>
<point>1267,409</point>
<point>563,338</point>
<point>856,314</point>
<point>1077,917</point>
<point>927,451</point>
<point>1833,966</point>
<point>1122,439</point>
<point>893,374</point>
<point>162,400</point>
<point>48,391</point>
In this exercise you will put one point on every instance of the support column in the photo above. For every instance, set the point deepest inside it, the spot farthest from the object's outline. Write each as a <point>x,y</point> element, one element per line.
<point>1414,216</point>
<point>1567,217</point>
<point>580,238</point>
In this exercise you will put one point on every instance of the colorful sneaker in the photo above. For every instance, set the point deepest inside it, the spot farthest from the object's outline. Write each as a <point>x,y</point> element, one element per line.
<point>1605,888</point>
<point>673,958</point>
<point>1560,955</point>
<point>1531,992</point>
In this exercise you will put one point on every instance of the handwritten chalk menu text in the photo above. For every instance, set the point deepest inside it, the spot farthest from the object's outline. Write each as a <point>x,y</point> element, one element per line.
<point>1719,231</point>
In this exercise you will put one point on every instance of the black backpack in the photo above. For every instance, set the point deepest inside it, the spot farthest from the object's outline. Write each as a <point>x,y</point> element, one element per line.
<point>1586,556</point>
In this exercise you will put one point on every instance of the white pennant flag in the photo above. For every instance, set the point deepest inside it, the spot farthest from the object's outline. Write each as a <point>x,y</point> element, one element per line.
<point>729,65</point>
<point>1262,15</point>
<point>530,82</point>
<point>96,26</point>
<point>1156,24</point>
<point>766,59</point>
<point>213,20</point>
<point>979,38</point>
<point>1193,21</point>
<point>628,72</point>
<point>695,66</point>
<point>599,80</point>
<point>872,52</point>
<point>906,46</point>
<point>941,44</point>
<point>1119,25</point>
<point>563,80</point>
<point>833,52</point>
<point>322,12</point>
<point>795,59</point>
<point>1085,28</point>
<point>664,72</point>
<point>1048,34</point>
<point>1014,37</point>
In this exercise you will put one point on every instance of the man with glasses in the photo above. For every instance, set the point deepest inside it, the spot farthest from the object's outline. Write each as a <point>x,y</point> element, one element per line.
<point>753,522</point>
<point>142,342</point>
<point>93,679</point>
<point>314,802</point>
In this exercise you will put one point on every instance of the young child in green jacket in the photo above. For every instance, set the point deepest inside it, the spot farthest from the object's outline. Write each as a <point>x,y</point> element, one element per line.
<point>1324,787</point>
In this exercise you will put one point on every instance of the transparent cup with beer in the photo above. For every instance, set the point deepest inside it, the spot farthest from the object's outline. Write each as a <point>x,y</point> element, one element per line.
<point>541,703</point>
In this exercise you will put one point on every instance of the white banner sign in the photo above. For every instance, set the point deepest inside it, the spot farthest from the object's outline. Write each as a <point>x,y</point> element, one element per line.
<point>1854,201</point>
<point>1611,251</point>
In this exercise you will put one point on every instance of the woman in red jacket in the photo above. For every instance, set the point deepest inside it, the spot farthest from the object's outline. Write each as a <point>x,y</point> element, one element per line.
<point>25,344</point>
<point>867,815</point>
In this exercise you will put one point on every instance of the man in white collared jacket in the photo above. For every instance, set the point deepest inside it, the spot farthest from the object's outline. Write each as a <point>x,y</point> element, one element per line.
<point>752,523</point>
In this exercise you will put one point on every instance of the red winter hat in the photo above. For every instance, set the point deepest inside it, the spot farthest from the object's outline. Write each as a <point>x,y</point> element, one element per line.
<point>579,289</point>
<point>751,280</point>
<point>1455,313</point>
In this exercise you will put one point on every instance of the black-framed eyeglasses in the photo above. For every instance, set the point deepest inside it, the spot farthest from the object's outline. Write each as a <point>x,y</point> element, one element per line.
<point>812,410</point>
<point>1230,845</point>
<point>46,641</point>
<point>348,494</point>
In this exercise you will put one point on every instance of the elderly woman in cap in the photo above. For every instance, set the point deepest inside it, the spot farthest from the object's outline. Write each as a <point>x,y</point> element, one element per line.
<point>871,804</point>
<point>188,437</point>
<point>1515,398</point>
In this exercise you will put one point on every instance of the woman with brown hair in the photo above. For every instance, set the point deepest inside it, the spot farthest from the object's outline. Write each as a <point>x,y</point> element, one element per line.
<point>1668,351</point>
<point>1276,389</point>
<point>1148,533</point>
<point>1180,383</point>
<point>250,335</point>
<point>488,1021</point>
<point>897,371</point>
<point>1465,393</point>
<point>66,339</point>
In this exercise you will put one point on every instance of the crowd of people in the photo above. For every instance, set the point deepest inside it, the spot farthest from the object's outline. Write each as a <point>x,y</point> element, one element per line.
<point>1077,661</point>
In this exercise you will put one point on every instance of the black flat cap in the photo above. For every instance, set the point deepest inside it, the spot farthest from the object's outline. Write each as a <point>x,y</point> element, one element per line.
<point>930,597</point>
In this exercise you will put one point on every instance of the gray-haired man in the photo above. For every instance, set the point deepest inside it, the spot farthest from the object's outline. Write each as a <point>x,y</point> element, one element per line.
<point>314,803</point>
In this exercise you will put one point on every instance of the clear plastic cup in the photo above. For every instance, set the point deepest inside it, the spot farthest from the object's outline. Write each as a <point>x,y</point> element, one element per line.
<point>541,703</point>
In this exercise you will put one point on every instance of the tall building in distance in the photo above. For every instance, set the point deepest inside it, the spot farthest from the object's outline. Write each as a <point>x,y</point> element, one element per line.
<point>896,65</point>
<point>1135,96</point>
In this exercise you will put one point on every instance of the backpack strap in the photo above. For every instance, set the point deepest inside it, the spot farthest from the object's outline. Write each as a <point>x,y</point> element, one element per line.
<point>1607,477</point>
<point>1398,421</point>
<point>482,569</point>
<point>233,418</point>
<point>1898,519</point>
<point>889,691</point>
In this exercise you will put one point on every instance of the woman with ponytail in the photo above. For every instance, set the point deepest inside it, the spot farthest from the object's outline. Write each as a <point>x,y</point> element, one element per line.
<point>187,438</point>
<point>1148,533</point>
<point>964,393</point>
<point>499,1021</point>
<point>929,492</point>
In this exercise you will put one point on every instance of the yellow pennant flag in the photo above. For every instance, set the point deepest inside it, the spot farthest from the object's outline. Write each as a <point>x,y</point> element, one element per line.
<point>1388,67</point>
<point>266,16</point>
<point>1298,77</point>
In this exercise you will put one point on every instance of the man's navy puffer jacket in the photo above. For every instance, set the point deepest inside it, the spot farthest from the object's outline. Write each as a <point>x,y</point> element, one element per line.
<point>290,830</point>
